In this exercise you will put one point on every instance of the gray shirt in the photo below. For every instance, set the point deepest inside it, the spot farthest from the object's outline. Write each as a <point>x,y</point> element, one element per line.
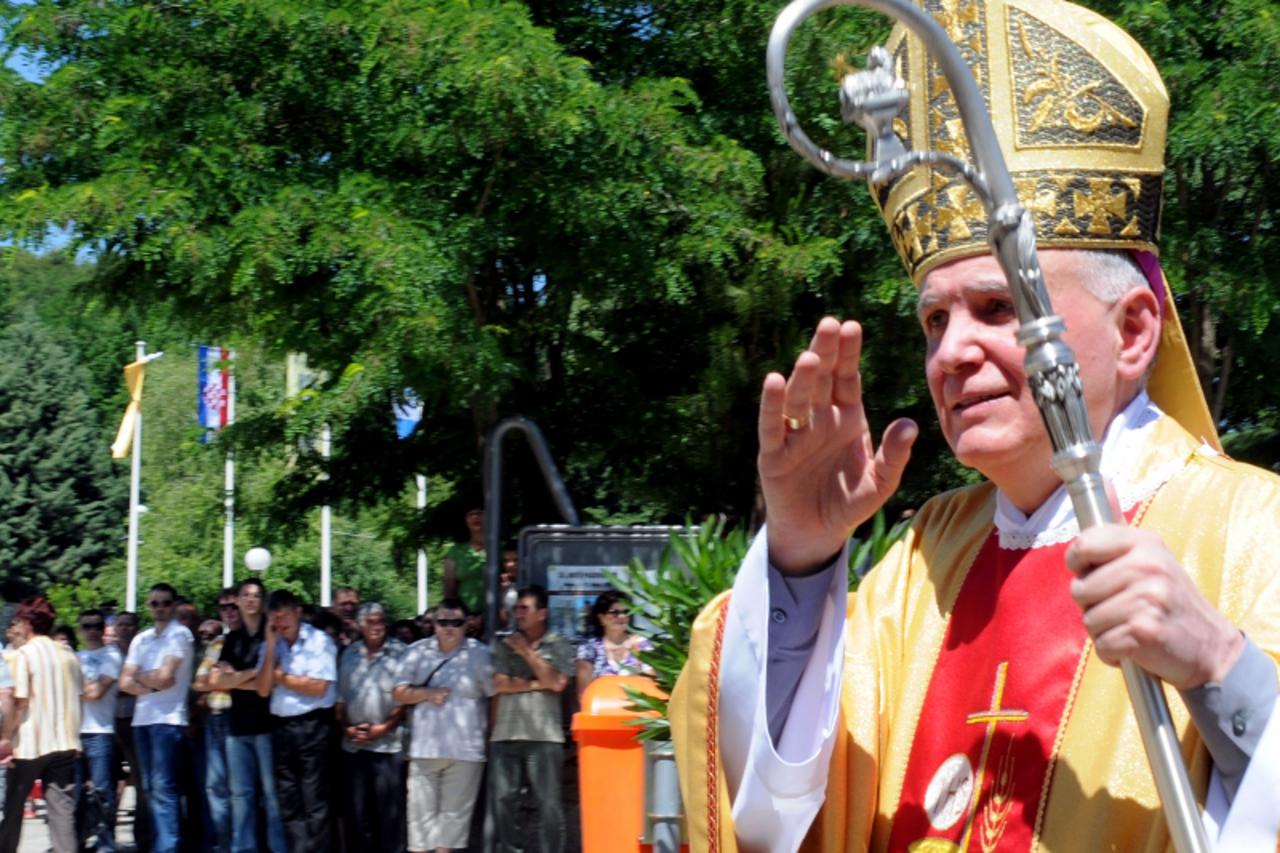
<point>364,689</point>
<point>532,716</point>
<point>456,728</point>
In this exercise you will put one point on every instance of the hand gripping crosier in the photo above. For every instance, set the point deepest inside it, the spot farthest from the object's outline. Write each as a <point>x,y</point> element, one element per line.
<point>873,98</point>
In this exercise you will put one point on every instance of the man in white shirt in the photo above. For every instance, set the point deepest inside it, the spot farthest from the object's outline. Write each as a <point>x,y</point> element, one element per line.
<point>299,670</point>
<point>100,665</point>
<point>158,671</point>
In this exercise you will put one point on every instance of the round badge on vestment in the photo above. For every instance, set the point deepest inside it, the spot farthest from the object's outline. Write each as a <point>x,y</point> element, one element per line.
<point>946,800</point>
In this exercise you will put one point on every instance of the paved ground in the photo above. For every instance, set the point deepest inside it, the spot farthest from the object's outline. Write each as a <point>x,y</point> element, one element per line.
<point>35,833</point>
<point>35,836</point>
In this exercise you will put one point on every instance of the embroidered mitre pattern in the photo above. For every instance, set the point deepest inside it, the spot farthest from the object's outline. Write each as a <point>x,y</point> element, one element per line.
<point>1064,96</point>
<point>1080,113</point>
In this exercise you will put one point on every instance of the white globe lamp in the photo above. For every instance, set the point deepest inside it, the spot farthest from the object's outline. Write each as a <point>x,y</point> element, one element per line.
<point>257,559</point>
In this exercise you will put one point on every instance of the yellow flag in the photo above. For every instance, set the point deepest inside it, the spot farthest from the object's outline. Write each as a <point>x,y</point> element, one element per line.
<point>299,376</point>
<point>133,375</point>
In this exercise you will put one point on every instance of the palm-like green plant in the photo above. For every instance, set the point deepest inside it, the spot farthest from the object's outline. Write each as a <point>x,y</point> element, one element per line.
<point>867,552</point>
<point>695,568</point>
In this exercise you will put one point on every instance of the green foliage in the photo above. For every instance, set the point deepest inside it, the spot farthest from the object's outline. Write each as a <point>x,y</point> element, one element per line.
<point>60,506</point>
<point>182,486</point>
<point>70,600</point>
<point>182,479</point>
<point>867,552</point>
<point>692,571</point>
<point>446,197</point>
<point>580,213</point>
<point>1257,442</point>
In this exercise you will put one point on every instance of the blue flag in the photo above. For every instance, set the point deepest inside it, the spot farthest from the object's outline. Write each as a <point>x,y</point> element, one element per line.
<point>408,414</point>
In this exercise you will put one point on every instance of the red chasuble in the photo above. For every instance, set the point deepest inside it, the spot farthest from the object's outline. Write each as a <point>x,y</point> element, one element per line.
<point>983,755</point>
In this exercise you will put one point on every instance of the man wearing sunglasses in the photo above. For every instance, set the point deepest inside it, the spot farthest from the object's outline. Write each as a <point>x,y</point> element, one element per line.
<point>158,671</point>
<point>101,666</point>
<point>446,678</point>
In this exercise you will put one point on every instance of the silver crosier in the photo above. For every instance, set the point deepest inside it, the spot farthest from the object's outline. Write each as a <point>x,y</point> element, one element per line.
<point>872,98</point>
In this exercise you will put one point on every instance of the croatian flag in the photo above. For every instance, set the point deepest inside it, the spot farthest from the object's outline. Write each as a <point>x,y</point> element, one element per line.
<point>214,388</point>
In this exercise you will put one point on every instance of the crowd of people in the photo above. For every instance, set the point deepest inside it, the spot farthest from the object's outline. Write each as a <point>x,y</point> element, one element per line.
<point>281,726</point>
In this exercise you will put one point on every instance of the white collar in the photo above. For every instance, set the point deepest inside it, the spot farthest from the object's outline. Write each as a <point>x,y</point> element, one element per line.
<point>1055,521</point>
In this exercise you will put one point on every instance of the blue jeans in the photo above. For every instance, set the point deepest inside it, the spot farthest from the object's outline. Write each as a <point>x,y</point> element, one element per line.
<point>100,756</point>
<point>217,793</point>
<point>158,746</point>
<point>250,769</point>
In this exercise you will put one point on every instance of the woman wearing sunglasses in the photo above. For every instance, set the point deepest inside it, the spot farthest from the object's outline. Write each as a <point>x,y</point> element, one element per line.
<point>611,649</point>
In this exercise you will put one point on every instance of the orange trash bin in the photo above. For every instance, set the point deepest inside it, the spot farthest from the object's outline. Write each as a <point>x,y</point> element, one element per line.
<point>611,765</point>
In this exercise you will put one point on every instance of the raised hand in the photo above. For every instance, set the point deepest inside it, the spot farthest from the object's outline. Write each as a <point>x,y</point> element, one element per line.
<point>820,473</point>
<point>518,643</point>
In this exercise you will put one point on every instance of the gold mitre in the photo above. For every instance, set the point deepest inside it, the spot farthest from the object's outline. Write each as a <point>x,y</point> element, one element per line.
<point>1080,113</point>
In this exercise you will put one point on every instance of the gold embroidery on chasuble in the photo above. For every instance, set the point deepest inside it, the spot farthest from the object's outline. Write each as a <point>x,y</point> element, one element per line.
<point>995,813</point>
<point>712,741</point>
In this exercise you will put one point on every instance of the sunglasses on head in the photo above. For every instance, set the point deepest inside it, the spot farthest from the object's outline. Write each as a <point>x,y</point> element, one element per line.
<point>168,602</point>
<point>92,626</point>
<point>451,623</point>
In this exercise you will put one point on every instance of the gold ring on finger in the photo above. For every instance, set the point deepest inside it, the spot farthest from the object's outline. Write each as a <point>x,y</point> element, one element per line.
<point>797,424</point>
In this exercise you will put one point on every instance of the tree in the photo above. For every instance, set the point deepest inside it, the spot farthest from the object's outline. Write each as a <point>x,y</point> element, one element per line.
<point>182,486</point>
<point>60,504</point>
<point>433,196</point>
<point>581,213</point>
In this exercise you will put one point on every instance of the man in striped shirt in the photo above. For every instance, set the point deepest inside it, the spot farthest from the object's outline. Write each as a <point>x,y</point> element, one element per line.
<point>43,735</point>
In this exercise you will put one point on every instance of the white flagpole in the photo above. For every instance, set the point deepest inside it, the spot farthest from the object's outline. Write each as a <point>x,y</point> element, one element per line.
<point>325,522</point>
<point>422,554</point>
<point>135,485</point>
<point>229,487</point>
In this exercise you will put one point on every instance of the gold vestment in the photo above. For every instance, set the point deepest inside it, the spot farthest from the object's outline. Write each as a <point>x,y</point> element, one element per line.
<point>1218,516</point>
